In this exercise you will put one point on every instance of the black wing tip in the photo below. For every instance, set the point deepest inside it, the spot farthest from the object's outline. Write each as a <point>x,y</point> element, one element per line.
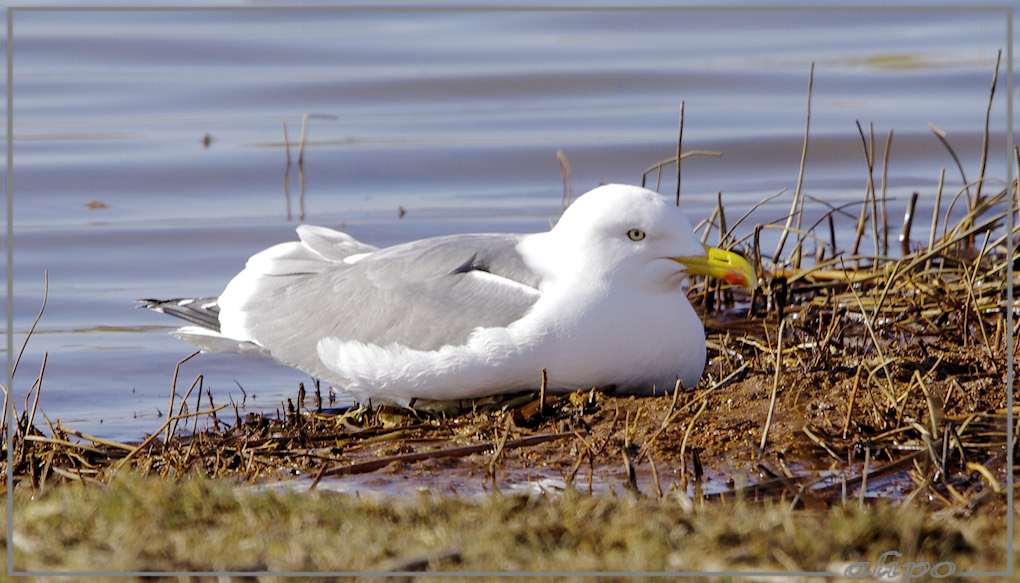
<point>158,305</point>
<point>201,311</point>
<point>150,303</point>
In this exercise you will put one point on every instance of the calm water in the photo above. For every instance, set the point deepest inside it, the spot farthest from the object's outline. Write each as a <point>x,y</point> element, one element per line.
<point>173,121</point>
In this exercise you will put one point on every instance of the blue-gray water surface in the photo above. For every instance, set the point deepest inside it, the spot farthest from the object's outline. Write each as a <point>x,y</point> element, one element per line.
<point>150,159</point>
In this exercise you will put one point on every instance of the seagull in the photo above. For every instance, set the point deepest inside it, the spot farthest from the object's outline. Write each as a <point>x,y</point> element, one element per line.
<point>596,301</point>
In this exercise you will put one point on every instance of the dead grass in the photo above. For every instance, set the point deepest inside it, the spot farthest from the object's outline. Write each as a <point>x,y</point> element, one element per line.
<point>147,524</point>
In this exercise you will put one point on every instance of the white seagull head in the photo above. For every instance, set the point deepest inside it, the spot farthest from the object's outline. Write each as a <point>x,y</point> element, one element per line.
<point>634,237</point>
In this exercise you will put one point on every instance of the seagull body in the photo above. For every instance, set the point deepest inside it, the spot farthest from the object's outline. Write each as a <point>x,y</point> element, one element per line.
<point>595,301</point>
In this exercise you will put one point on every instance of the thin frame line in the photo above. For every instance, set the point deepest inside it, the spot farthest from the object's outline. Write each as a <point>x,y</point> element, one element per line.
<point>1014,182</point>
<point>507,8</point>
<point>9,397</point>
<point>479,9</point>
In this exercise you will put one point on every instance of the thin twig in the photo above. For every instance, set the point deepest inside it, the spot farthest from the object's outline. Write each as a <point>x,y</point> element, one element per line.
<point>885,177</point>
<point>679,151</point>
<point>941,135</point>
<point>986,135</point>
<point>850,405</point>
<point>286,169</point>
<point>908,222</point>
<point>42,308</point>
<point>775,384</point>
<point>655,477</point>
<point>499,450</point>
<point>38,391</point>
<point>935,214</point>
<point>173,390</point>
<point>98,440</point>
<point>797,203</point>
<point>659,165</point>
<point>687,432</point>
<point>567,176</point>
<point>372,465</point>
<point>869,193</point>
<point>542,391</point>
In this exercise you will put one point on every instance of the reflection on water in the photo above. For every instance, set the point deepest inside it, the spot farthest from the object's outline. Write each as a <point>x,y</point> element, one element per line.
<point>470,481</point>
<point>428,122</point>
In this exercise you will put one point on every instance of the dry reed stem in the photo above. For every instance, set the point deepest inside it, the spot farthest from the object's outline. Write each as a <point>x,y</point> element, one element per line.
<point>943,137</point>
<point>96,440</point>
<point>850,404</point>
<point>797,205</point>
<point>679,152</point>
<point>498,451</point>
<point>935,214</point>
<point>658,166</point>
<point>687,435</point>
<point>31,329</point>
<point>373,465</point>
<point>173,390</point>
<point>987,132</point>
<point>566,175</point>
<point>885,177</point>
<point>286,169</point>
<point>38,391</point>
<point>869,193</point>
<point>775,384</point>
<point>908,223</point>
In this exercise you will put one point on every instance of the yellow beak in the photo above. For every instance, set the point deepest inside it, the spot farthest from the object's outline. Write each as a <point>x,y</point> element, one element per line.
<point>725,265</point>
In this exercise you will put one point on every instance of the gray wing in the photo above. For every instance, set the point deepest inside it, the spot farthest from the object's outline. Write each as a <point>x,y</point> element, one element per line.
<point>423,294</point>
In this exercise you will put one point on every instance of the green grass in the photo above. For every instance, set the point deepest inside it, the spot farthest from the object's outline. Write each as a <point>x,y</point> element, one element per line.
<point>136,524</point>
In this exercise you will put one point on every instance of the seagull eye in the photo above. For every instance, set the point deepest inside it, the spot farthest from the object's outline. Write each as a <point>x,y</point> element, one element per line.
<point>635,234</point>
